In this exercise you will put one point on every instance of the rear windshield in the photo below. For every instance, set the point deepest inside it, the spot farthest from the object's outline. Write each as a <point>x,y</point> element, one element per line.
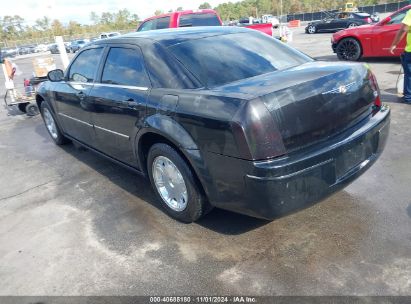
<point>222,59</point>
<point>207,19</point>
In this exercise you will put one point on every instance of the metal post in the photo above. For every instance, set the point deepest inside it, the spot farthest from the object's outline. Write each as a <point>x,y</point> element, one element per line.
<point>281,11</point>
<point>62,49</point>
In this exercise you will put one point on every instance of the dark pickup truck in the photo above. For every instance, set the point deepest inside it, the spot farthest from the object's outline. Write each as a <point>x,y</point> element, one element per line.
<point>265,135</point>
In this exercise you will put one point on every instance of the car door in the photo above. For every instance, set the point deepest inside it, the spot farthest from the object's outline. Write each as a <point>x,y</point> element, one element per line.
<point>72,95</point>
<point>384,34</point>
<point>119,101</point>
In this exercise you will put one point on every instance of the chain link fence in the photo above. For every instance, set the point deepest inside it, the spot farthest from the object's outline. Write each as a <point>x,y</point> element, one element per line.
<point>378,8</point>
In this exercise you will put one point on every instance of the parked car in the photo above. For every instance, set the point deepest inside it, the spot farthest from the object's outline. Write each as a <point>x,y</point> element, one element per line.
<point>27,49</point>
<point>77,44</point>
<point>256,24</point>
<point>338,22</point>
<point>109,35</point>
<point>375,17</point>
<point>270,19</point>
<point>8,52</point>
<point>372,40</point>
<point>53,48</point>
<point>41,48</point>
<point>206,17</point>
<point>263,136</point>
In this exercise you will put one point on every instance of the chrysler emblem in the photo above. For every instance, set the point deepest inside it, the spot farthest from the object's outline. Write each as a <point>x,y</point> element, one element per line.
<point>341,89</point>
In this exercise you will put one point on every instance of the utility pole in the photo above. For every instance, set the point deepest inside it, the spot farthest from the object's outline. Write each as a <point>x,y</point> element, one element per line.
<point>281,11</point>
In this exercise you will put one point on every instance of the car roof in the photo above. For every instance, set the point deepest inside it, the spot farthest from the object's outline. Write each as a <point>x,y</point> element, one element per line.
<point>168,37</point>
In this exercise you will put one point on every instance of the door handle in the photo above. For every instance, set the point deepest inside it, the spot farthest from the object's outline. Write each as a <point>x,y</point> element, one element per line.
<point>131,103</point>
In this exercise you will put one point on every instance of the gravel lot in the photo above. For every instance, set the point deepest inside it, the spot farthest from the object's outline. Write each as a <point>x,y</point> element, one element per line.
<point>72,223</point>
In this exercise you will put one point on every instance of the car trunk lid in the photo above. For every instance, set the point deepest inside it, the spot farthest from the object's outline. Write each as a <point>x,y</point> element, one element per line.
<point>314,101</point>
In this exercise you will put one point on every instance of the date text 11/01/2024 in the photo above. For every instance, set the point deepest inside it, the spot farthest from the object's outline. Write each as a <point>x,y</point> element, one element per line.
<point>203,299</point>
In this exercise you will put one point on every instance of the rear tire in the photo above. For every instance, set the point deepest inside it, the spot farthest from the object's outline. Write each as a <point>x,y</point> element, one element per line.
<point>349,49</point>
<point>352,25</point>
<point>311,29</point>
<point>175,184</point>
<point>51,125</point>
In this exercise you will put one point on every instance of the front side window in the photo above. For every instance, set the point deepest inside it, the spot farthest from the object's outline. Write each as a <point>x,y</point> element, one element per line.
<point>147,26</point>
<point>125,67</point>
<point>397,18</point>
<point>222,59</point>
<point>84,67</point>
<point>207,19</point>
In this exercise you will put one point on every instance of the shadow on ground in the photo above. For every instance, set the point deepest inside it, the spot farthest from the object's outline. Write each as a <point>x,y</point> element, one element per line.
<point>220,221</point>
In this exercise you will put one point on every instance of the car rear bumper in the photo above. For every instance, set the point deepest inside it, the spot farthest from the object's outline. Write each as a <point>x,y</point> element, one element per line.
<point>277,187</point>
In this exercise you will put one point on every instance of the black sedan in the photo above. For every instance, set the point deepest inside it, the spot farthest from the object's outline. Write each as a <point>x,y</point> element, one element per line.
<point>219,117</point>
<point>77,45</point>
<point>338,22</point>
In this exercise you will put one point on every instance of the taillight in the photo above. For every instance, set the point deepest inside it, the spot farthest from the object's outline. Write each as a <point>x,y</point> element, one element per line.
<point>256,133</point>
<point>369,20</point>
<point>375,89</point>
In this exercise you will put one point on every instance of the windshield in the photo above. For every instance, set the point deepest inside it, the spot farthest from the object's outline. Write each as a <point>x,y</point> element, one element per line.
<point>222,59</point>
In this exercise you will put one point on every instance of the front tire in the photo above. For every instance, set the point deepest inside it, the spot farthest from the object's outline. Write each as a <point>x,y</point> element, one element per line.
<point>311,29</point>
<point>51,125</point>
<point>175,184</point>
<point>32,109</point>
<point>349,49</point>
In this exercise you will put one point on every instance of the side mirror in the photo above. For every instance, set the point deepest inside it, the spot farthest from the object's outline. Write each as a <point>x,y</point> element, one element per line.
<point>385,21</point>
<point>55,75</point>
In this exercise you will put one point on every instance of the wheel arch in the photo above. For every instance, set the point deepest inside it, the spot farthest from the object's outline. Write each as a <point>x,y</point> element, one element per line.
<point>355,38</point>
<point>163,129</point>
<point>40,98</point>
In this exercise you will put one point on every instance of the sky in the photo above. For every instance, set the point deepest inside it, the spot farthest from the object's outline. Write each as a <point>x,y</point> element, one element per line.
<point>79,10</point>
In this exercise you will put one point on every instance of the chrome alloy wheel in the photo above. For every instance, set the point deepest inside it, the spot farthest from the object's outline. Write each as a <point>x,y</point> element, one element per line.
<point>169,183</point>
<point>311,29</point>
<point>50,123</point>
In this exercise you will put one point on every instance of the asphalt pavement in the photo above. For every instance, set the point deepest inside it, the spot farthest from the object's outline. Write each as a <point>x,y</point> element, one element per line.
<point>72,223</point>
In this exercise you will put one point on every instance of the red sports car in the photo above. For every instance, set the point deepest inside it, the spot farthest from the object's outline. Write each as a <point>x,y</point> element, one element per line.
<point>373,40</point>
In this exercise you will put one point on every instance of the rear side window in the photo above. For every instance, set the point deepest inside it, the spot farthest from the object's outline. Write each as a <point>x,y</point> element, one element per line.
<point>222,59</point>
<point>207,19</point>
<point>125,67</point>
<point>162,23</point>
<point>85,66</point>
<point>155,24</point>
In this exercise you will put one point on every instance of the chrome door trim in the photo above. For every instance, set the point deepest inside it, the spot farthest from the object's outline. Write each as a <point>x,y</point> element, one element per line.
<point>112,132</point>
<point>77,120</point>
<point>80,83</point>
<point>121,86</point>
